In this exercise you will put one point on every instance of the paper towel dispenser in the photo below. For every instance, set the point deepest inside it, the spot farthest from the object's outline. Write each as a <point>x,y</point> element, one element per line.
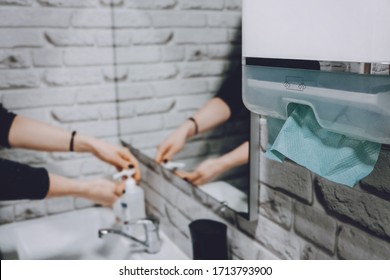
<point>351,31</point>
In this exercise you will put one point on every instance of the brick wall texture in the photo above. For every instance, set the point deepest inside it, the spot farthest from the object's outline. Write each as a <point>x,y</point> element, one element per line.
<point>299,216</point>
<point>136,69</point>
<point>113,69</point>
<point>133,70</point>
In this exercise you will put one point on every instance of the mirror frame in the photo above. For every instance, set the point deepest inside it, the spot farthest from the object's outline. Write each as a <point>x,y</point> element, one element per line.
<point>254,167</point>
<point>208,201</point>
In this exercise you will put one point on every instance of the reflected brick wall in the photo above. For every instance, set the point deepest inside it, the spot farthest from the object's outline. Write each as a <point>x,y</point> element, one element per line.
<point>58,64</point>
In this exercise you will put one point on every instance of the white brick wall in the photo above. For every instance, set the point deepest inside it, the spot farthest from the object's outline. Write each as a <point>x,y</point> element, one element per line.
<point>19,79</point>
<point>34,17</point>
<point>10,38</point>
<point>17,2</point>
<point>332,225</point>
<point>58,64</point>
<point>321,219</point>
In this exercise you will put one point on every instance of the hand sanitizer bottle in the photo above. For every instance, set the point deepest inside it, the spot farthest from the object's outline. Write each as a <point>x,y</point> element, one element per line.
<point>131,205</point>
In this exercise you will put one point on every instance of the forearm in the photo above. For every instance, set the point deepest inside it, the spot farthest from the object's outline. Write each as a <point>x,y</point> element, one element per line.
<point>31,134</point>
<point>100,191</point>
<point>61,186</point>
<point>212,114</point>
<point>236,157</point>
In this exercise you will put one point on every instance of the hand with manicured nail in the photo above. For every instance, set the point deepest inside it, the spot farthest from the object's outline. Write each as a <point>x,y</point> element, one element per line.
<point>30,134</point>
<point>173,144</point>
<point>207,171</point>
<point>213,113</point>
<point>101,191</point>
<point>210,169</point>
<point>118,156</point>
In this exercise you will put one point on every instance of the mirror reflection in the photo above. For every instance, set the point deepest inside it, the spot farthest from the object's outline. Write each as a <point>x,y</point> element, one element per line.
<point>180,104</point>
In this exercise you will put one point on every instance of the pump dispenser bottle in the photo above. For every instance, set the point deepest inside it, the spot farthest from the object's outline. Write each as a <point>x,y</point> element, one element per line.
<point>131,205</point>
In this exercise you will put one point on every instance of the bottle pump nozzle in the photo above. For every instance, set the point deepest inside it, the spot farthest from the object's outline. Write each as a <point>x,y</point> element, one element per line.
<point>125,172</point>
<point>172,165</point>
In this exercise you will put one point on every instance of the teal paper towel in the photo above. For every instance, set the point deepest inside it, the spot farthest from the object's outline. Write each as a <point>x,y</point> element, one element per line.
<point>334,156</point>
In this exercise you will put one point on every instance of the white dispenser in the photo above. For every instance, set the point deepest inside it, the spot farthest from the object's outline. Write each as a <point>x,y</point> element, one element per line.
<point>131,205</point>
<point>328,30</point>
<point>281,32</point>
<point>173,166</point>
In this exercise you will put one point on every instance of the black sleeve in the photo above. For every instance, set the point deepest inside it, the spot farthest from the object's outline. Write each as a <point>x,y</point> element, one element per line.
<point>230,92</point>
<point>20,181</point>
<point>6,119</point>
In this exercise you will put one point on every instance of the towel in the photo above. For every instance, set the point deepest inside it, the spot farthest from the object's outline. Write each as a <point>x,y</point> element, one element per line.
<point>334,156</point>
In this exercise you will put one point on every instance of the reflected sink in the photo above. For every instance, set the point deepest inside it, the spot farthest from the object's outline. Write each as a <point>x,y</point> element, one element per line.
<point>74,235</point>
<point>227,194</point>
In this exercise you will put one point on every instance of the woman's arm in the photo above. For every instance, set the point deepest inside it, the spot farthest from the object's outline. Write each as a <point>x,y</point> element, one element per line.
<point>20,181</point>
<point>100,191</point>
<point>212,168</point>
<point>31,134</point>
<point>212,114</point>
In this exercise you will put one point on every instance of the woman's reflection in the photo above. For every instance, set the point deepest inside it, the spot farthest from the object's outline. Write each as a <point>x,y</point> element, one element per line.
<point>226,105</point>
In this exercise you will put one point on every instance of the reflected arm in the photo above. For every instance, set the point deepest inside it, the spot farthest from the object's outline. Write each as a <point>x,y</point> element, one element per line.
<point>236,157</point>
<point>212,114</point>
<point>212,168</point>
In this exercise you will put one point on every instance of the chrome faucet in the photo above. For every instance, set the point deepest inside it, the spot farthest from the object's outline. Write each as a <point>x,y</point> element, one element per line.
<point>152,242</point>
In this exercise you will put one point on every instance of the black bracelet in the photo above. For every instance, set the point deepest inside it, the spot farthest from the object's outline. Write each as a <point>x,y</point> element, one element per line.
<point>71,145</point>
<point>196,125</point>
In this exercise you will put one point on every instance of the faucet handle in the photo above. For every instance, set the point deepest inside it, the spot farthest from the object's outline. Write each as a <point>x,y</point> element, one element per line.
<point>152,237</point>
<point>155,220</point>
<point>150,223</point>
<point>151,242</point>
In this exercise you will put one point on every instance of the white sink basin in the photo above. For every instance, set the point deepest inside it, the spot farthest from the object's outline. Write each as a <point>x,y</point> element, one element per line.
<point>229,195</point>
<point>74,235</point>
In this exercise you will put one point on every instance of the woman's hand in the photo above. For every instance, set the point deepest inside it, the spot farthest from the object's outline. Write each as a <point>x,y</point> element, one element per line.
<point>102,191</point>
<point>212,168</point>
<point>118,156</point>
<point>207,171</point>
<point>175,142</point>
<point>31,134</point>
<point>210,115</point>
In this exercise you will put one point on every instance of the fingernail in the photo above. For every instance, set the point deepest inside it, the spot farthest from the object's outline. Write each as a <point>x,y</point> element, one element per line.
<point>131,166</point>
<point>165,160</point>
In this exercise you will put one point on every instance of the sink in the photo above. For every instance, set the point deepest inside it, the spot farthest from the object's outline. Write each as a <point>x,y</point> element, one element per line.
<point>74,235</point>
<point>229,195</point>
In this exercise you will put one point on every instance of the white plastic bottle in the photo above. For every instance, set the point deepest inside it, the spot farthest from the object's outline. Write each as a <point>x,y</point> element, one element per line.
<point>135,199</point>
<point>131,205</point>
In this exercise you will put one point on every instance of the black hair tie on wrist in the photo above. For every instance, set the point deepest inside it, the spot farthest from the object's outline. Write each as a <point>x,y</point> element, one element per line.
<point>71,145</point>
<point>196,125</point>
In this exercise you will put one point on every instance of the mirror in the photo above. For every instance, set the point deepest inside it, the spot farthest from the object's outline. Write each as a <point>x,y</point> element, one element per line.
<point>163,76</point>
